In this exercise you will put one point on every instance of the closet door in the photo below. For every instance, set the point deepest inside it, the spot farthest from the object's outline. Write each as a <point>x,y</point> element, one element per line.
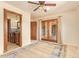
<point>53,30</point>
<point>49,30</point>
<point>34,30</point>
<point>44,30</point>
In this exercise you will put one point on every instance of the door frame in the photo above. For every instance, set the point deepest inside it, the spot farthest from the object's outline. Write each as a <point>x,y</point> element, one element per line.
<point>6,28</point>
<point>48,34</point>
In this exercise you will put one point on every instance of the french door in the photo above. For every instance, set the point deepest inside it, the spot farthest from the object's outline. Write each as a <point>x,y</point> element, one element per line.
<point>49,30</point>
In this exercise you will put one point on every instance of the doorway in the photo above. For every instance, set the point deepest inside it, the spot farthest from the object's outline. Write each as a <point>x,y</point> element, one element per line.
<point>12,30</point>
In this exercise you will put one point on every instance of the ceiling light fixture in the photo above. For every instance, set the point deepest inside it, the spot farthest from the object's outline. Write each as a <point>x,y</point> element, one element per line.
<point>47,8</point>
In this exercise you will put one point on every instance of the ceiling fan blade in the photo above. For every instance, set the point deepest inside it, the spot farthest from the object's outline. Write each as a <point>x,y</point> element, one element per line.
<point>36,8</point>
<point>33,3</point>
<point>50,4</point>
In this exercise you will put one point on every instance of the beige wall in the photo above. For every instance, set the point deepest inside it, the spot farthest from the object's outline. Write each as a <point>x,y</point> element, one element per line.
<point>25,24</point>
<point>70,28</point>
<point>1,28</point>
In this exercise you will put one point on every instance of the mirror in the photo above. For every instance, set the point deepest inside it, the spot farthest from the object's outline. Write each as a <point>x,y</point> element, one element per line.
<point>14,22</point>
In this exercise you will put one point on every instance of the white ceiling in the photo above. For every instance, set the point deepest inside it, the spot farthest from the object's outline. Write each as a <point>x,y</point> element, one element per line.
<point>60,6</point>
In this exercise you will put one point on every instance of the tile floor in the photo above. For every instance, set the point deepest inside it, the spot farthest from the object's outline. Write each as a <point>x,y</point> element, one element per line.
<point>11,46</point>
<point>43,49</point>
<point>72,51</point>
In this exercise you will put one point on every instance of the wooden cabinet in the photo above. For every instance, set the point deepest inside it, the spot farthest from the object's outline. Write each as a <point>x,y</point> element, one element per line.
<point>14,37</point>
<point>49,30</point>
<point>17,37</point>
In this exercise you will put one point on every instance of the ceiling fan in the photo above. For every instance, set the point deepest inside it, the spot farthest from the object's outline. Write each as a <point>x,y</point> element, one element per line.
<point>41,4</point>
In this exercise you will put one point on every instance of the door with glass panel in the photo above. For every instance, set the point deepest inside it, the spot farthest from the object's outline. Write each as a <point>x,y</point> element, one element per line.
<point>49,30</point>
<point>44,30</point>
